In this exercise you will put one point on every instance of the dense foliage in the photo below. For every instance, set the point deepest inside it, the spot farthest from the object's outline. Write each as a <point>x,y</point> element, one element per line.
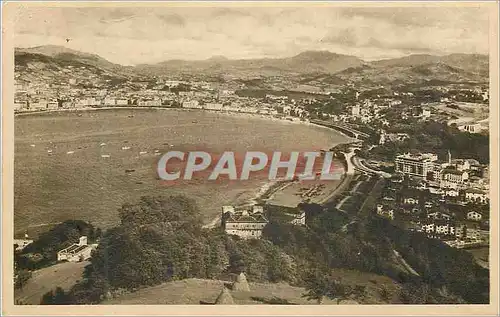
<point>437,138</point>
<point>161,239</point>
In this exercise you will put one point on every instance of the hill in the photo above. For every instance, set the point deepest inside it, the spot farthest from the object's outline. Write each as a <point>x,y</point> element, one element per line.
<point>63,275</point>
<point>202,291</point>
<point>310,66</point>
<point>306,62</point>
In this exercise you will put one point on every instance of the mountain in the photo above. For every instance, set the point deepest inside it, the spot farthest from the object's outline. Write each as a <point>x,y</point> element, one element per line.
<point>476,64</point>
<point>310,66</point>
<point>64,54</point>
<point>306,62</point>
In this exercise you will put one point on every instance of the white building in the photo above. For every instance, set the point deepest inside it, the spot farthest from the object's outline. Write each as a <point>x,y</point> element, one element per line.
<point>416,165</point>
<point>476,195</point>
<point>243,223</point>
<point>474,215</point>
<point>356,110</point>
<point>76,252</point>
<point>192,104</point>
<point>471,128</point>
<point>22,243</point>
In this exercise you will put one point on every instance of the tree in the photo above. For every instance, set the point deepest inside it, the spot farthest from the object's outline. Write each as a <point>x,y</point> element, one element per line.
<point>22,277</point>
<point>321,283</point>
<point>57,297</point>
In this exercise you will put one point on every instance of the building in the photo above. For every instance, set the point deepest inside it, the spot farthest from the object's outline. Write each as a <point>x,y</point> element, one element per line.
<point>471,128</point>
<point>299,219</point>
<point>213,106</point>
<point>385,211</point>
<point>476,195</point>
<point>474,215</point>
<point>243,223</point>
<point>451,177</point>
<point>76,252</point>
<point>356,110</point>
<point>22,243</point>
<point>419,165</point>
<point>193,104</point>
<point>426,114</point>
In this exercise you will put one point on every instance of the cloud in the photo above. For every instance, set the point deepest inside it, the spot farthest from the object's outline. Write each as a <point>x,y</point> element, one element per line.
<point>153,34</point>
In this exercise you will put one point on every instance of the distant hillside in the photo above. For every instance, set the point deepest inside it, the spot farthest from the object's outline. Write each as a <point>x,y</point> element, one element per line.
<point>310,66</point>
<point>306,62</point>
<point>58,55</point>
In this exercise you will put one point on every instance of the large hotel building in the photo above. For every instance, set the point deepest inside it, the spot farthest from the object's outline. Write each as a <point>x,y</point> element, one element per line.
<point>416,165</point>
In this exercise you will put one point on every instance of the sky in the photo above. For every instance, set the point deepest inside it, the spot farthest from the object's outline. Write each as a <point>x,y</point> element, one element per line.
<point>131,36</point>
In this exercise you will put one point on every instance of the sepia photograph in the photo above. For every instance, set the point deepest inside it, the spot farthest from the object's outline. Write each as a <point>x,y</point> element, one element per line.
<point>298,157</point>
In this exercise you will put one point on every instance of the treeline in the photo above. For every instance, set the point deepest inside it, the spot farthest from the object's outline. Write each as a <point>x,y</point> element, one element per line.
<point>436,137</point>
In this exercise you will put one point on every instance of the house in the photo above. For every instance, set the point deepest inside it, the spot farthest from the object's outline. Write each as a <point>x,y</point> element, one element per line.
<point>76,252</point>
<point>22,243</point>
<point>410,201</point>
<point>476,195</point>
<point>474,215</point>
<point>299,219</point>
<point>385,211</point>
<point>194,104</point>
<point>451,192</point>
<point>243,223</point>
<point>471,127</point>
<point>451,177</point>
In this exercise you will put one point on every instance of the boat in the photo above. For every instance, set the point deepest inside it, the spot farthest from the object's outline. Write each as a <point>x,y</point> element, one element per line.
<point>102,144</point>
<point>194,121</point>
<point>32,145</point>
<point>49,151</point>
<point>70,152</point>
<point>125,147</point>
<point>129,171</point>
<point>143,152</point>
<point>105,155</point>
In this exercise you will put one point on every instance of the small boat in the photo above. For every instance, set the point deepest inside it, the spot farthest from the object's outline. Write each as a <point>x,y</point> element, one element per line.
<point>143,152</point>
<point>125,147</point>
<point>79,148</point>
<point>32,145</point>
<point>194,121</point>
<point>105,155</point>
<point>80,114</point>
<point>102,144</point>
<point>70,152</point>
<point>157,153</point>
<point>129,171</point>
<point>49,151</point>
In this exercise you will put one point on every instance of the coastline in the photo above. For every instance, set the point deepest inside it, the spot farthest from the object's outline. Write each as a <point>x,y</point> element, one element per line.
<point>265,189</point>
